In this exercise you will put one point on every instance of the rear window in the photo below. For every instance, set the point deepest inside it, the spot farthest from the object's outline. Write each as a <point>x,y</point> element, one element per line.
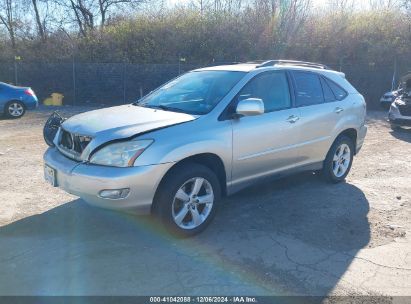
<point>338,91</point>
<point>328,93</point>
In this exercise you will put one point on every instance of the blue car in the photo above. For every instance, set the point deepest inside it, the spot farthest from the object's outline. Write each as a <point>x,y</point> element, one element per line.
<point>14,101</point>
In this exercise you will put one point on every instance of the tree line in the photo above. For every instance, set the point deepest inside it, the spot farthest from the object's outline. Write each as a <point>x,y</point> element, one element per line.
<point>340,32</point>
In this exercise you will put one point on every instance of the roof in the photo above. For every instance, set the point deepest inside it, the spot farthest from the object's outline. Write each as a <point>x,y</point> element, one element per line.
<point>278,64</point>
<point>241,67</point>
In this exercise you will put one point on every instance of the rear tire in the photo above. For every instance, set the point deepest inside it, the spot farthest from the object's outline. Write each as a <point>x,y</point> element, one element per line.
<point>187,199</point>
<point>14,109</point>
<point>339,160</point>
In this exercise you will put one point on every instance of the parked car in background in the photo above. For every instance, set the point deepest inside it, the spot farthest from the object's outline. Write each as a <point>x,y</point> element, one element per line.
<point>14,101</point>
<point>207,134</point>
<point>387,99</point>
<point>400,110</point>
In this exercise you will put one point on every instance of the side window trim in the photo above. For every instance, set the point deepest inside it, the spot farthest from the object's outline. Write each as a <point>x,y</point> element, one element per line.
<point>225,114</point>
<point>291,87</point>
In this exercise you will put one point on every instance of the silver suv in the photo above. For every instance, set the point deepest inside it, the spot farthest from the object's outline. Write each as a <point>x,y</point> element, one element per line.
<point>208,134</point>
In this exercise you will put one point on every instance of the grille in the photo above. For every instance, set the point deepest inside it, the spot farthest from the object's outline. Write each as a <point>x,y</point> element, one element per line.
<point>405,110</point>
<point>72,144</point>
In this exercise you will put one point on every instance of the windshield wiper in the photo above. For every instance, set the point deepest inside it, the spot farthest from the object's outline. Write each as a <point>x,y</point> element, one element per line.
<point>165,108</point>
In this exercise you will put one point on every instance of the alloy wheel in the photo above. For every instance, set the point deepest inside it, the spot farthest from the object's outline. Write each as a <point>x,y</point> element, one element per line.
<point>15,109</point>
<point>341,160</point>
<point>192,203</point>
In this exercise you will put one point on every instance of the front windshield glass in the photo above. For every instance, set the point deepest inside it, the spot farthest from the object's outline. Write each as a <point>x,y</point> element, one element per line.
<point>194,92</point>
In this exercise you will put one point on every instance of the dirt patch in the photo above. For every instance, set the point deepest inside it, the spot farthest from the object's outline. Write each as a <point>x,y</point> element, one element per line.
<point>296,235</point>
<point>382,170</point>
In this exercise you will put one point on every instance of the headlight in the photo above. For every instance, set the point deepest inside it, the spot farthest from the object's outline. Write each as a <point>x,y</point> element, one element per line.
<point>122,154</point>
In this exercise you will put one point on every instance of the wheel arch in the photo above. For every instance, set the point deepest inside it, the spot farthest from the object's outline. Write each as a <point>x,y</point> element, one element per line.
<point>350,133</point>
<point>209,160</point>
<point>13,100</point>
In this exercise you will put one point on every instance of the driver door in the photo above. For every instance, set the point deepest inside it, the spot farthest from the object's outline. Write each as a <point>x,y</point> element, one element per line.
<point>265,144</point>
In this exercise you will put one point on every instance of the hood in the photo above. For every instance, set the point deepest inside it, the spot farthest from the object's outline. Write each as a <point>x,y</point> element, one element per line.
<point>122,121</point>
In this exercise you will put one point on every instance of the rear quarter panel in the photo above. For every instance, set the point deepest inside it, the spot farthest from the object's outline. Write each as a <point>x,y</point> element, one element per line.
<point>8,94</point>
<point>354,115</point>
<point>354,105</point>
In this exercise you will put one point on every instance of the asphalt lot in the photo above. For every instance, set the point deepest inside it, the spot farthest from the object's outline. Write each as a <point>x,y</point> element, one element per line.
<point>295,236</point>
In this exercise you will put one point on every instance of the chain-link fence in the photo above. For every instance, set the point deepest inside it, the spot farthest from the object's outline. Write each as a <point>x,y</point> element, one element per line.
<point>118,83</point>
<point>97,83</point>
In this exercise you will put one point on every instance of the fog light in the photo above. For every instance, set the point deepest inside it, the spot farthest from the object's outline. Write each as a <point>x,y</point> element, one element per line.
<point>115,193</point>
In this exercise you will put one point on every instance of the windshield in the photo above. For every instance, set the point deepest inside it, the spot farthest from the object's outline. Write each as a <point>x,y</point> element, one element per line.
<point>194,92</point>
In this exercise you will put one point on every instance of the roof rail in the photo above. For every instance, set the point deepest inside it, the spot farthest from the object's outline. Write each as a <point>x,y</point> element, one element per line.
<point>256,61</point>
<point>269,63</point>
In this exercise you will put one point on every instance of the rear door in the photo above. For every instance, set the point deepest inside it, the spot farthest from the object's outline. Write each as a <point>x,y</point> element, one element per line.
<point>320,112</point>
<point>265,144</point>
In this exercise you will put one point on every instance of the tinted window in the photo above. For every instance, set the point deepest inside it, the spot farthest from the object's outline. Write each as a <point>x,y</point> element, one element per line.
<point>308,89</point>
<point>272,88</point>
<point>328,93</point>
<point>339,92</point>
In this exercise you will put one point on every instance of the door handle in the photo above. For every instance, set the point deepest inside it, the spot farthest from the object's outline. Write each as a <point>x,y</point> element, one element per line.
<point>293,119</point>
<point>338,110</point>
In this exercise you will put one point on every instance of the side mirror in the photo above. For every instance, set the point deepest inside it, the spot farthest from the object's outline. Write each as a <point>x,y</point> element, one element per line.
<point>250,107</point>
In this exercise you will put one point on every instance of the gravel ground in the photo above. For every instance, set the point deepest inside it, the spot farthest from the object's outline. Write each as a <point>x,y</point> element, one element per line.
<point>295,236</point>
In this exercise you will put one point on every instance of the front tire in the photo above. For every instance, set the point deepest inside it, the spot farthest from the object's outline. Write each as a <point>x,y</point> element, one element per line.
<point>14,109</point>
<point>187,200</point>
<point>339,160</point>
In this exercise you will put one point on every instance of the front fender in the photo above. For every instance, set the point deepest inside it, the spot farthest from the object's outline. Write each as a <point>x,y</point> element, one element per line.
<point>182,141</point>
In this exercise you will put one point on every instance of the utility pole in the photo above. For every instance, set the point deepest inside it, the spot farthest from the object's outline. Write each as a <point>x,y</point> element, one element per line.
<point>74,80</point>
<point>179,65</point>
<point>394,76</point>
<point>16,58</point>
<point>124,79</point>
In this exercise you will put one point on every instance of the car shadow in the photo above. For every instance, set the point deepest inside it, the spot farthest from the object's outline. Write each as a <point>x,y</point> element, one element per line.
<point>4,117</point>
<point>294,236</point>
<point>403,134</point>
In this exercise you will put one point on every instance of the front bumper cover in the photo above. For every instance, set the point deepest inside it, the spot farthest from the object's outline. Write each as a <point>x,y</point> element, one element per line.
<point>395,117</point>
<point>86,181</point>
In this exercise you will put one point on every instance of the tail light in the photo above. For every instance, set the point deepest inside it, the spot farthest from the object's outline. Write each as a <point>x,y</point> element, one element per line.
<point>29,92</point>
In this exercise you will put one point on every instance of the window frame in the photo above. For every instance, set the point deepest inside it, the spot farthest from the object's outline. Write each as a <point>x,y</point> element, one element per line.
<point>292,72</point>
<point>326,79</point>
<point>228,112</point>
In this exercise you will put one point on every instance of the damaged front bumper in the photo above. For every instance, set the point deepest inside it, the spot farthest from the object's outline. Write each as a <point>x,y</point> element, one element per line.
<point>396,118</point>
<point>89,182</point>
